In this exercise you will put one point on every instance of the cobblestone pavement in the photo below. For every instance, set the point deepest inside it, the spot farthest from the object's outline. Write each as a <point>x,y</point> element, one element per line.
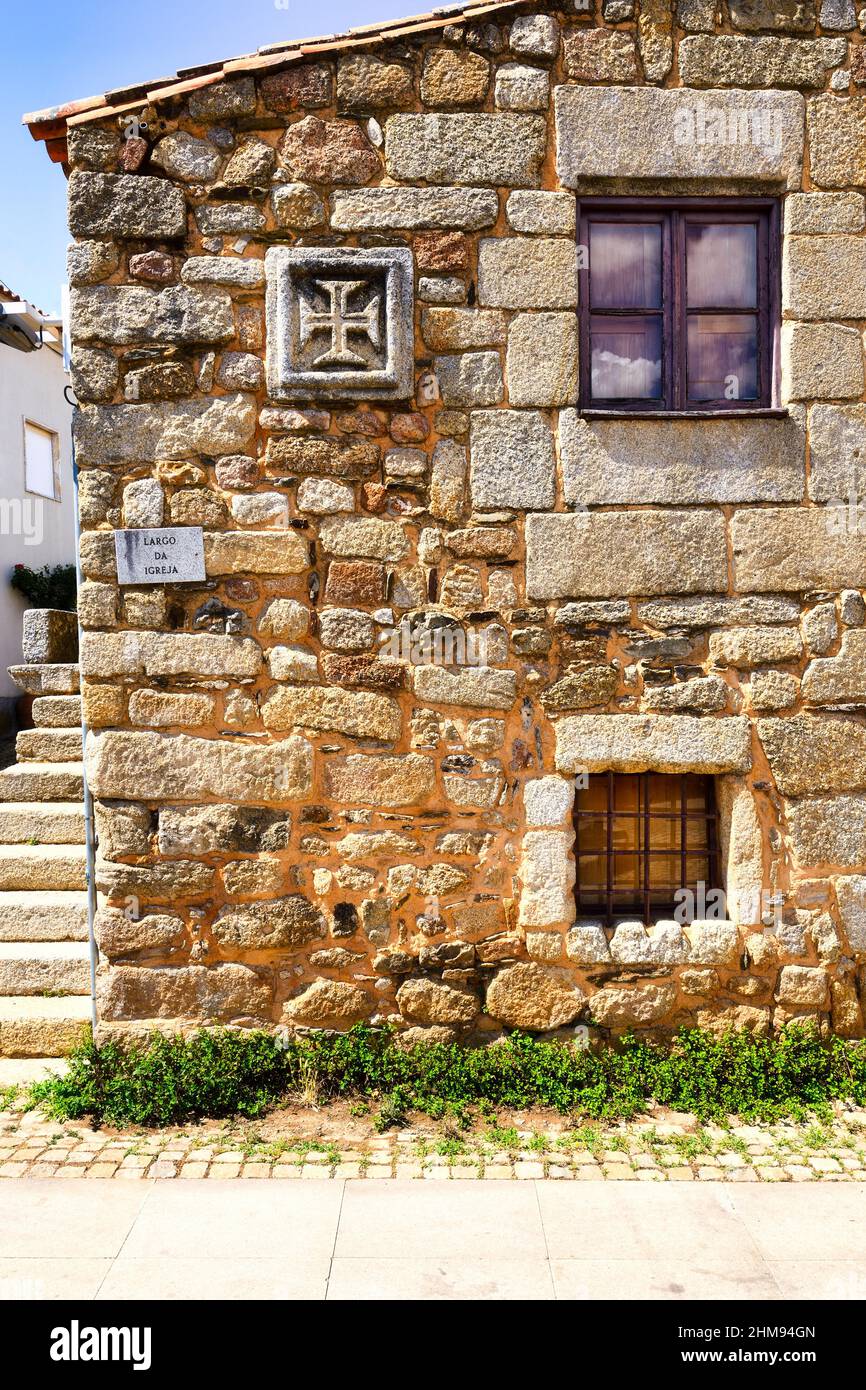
<point>676,1148</point>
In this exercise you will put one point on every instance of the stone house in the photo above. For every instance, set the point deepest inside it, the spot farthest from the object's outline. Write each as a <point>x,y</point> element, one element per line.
<point>511,361</point>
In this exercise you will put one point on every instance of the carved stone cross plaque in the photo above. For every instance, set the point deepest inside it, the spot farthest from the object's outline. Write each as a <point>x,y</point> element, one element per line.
<point>340,323</point>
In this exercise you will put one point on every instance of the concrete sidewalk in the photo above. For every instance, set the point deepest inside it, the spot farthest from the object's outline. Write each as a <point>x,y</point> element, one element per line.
<point>416,1240</point>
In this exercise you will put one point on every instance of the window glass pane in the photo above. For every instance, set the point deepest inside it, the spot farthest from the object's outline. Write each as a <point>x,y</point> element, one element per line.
<point>625,832</point>
<point>697,833</point>
<point>626,793</point>
<point>696,793</point>
<point>666,833</point>
<point>592,871</point>
<point>625,266</point>
<point>39,461</point>
<point>663,902</point>
<point>626,358</point>
<point>698,871</point>
<point>665,871</point>
<point>627,875</point>
<point>591,833</point>
<point>593,797</point>
<point>721,266</point>
<point>664,793</point>
<point>723,357</point>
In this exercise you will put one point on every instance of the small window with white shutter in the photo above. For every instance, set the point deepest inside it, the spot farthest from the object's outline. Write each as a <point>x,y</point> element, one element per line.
<point>41,461</point>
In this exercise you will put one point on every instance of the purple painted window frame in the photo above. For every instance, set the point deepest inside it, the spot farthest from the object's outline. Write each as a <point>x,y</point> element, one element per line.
<point>673,214</point>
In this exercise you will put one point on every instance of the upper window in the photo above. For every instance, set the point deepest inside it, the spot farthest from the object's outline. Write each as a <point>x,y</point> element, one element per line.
<point>678,304</point>
<point>41,461</point>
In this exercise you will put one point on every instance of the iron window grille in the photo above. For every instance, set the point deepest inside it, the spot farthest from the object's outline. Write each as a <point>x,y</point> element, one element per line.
<point>640,838</point>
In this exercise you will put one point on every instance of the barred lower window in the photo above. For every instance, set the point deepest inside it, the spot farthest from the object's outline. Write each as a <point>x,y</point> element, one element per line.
<point>679,304</point>
<point>640,839</point>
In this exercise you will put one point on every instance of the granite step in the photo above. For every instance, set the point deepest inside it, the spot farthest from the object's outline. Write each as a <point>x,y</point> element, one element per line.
<point>44,967</point>
<point>33,916</point>
<point>42,822</point>
<point>42,782</point>
<point>47,679</point>
<point>23,1071</point>
<point>57,711</point>
<point>37,867</point>
<point>49,746</point>
<point>32,1026</point>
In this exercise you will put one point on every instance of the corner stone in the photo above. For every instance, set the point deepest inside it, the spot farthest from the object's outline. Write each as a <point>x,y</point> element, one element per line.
<point>123,314</point>
<point>124,205</point>
<point>164,430</point>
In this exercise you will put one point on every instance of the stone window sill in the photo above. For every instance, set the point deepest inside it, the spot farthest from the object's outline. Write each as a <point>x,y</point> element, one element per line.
<point>758,413</point>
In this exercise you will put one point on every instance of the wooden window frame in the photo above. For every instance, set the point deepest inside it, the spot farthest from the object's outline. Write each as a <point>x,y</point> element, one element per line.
<point>673,214</point>
<point>642,906</point>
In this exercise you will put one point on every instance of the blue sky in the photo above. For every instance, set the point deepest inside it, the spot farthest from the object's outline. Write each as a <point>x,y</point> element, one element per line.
<point>58,50</point>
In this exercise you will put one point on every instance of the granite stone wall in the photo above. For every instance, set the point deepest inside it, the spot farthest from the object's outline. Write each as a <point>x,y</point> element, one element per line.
<point>334,781</point>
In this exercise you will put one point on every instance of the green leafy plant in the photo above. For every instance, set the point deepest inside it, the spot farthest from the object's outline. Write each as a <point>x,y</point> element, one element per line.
<point>8,1096</point>
<point>220,1073</point>
<point>585,1137</point>
<point>450,1148</point>
<point>49,587</point>
<point>690,1146</point>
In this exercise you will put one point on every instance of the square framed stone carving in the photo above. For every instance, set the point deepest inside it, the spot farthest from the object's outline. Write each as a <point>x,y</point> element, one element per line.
<point>339,323</point>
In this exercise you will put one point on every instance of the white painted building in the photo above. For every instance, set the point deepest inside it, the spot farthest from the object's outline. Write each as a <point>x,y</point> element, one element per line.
<point>37,504</point>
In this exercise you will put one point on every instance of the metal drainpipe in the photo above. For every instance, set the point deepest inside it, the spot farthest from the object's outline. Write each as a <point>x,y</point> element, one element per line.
<point>89,826</point>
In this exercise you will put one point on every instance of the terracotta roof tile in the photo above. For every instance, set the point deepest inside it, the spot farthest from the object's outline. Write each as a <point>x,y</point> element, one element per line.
<point>260,62</point>
<point>176,89</point>
<point>51,124</point>
<point>57,149</point>
<point>85,117</point>
<point>198,70</point>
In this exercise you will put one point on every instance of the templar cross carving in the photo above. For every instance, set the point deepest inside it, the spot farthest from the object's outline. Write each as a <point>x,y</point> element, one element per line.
<point>340,321</point>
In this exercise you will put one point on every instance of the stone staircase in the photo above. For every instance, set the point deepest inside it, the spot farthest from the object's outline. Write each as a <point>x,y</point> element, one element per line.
<point>44,959</point>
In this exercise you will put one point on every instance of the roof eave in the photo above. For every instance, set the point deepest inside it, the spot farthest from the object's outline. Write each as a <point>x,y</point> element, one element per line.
<point>52,124</point>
